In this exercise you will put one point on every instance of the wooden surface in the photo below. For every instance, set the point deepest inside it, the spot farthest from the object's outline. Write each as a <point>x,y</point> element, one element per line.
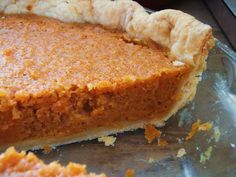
<point>197,8</point>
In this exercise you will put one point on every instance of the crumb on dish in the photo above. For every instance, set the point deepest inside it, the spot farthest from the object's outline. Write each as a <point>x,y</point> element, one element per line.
<point>206,155</point>
<point>129,173</point>
<point>162,142</point>
<point>47,149</point>
<point>216,134</point>
<point>181,152</point>
<point>197,126</point>
<point>151,133</point>
<point>205,126</point>
<point>108,140</point>
<point>194,129</point>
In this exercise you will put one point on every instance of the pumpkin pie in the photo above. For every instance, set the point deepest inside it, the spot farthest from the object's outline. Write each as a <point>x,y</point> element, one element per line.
<point>13,163</point>
<point>78,70</point>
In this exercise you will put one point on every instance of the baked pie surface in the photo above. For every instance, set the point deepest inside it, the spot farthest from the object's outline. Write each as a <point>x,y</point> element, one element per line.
<point>100,67</point>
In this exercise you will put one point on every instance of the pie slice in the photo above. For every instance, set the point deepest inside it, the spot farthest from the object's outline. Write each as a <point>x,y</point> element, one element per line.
<point>13,163</point>
<point>77,70</point>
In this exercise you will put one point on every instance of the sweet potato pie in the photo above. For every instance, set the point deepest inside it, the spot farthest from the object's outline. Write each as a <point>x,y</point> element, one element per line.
<point>77,70</point>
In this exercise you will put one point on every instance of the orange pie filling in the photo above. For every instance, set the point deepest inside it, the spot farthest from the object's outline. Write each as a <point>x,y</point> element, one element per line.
<point>59,79</point>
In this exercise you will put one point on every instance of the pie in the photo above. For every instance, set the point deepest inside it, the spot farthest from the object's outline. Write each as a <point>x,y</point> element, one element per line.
<point>78,70</point>
<point>13,163</point>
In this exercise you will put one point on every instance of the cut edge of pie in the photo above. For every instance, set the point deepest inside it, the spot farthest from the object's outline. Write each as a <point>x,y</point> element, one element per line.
<point>13,163</point>
<point>186,39</point>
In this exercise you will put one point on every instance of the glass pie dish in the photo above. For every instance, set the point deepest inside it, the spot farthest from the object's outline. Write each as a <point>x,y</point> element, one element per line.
<point>211,153</point>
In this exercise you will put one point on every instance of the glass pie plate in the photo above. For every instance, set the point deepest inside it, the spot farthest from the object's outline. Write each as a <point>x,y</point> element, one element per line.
<point>215,102</point>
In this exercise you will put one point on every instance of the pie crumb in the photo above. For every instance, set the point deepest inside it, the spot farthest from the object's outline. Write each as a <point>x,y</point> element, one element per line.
<point>197,126</point>
<point>181,152</point>
<point>151,133</point>
<point>162,143</point>
<point>129,173</point>
<point>47,149</point>
<point>194,129</point>
<point>205,155</point>
<point>108,140</point>
<point>216,134</point>
<point>205,126</point>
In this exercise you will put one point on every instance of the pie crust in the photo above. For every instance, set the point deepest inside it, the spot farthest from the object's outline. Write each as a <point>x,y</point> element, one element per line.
<point>183,39</point>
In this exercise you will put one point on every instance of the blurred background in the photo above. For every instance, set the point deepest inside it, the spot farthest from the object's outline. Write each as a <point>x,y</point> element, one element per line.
<point>220,14</point>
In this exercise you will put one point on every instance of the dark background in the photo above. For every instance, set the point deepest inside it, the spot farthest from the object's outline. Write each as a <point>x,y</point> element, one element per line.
<point>200,10</point>
<point>155,4</point>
